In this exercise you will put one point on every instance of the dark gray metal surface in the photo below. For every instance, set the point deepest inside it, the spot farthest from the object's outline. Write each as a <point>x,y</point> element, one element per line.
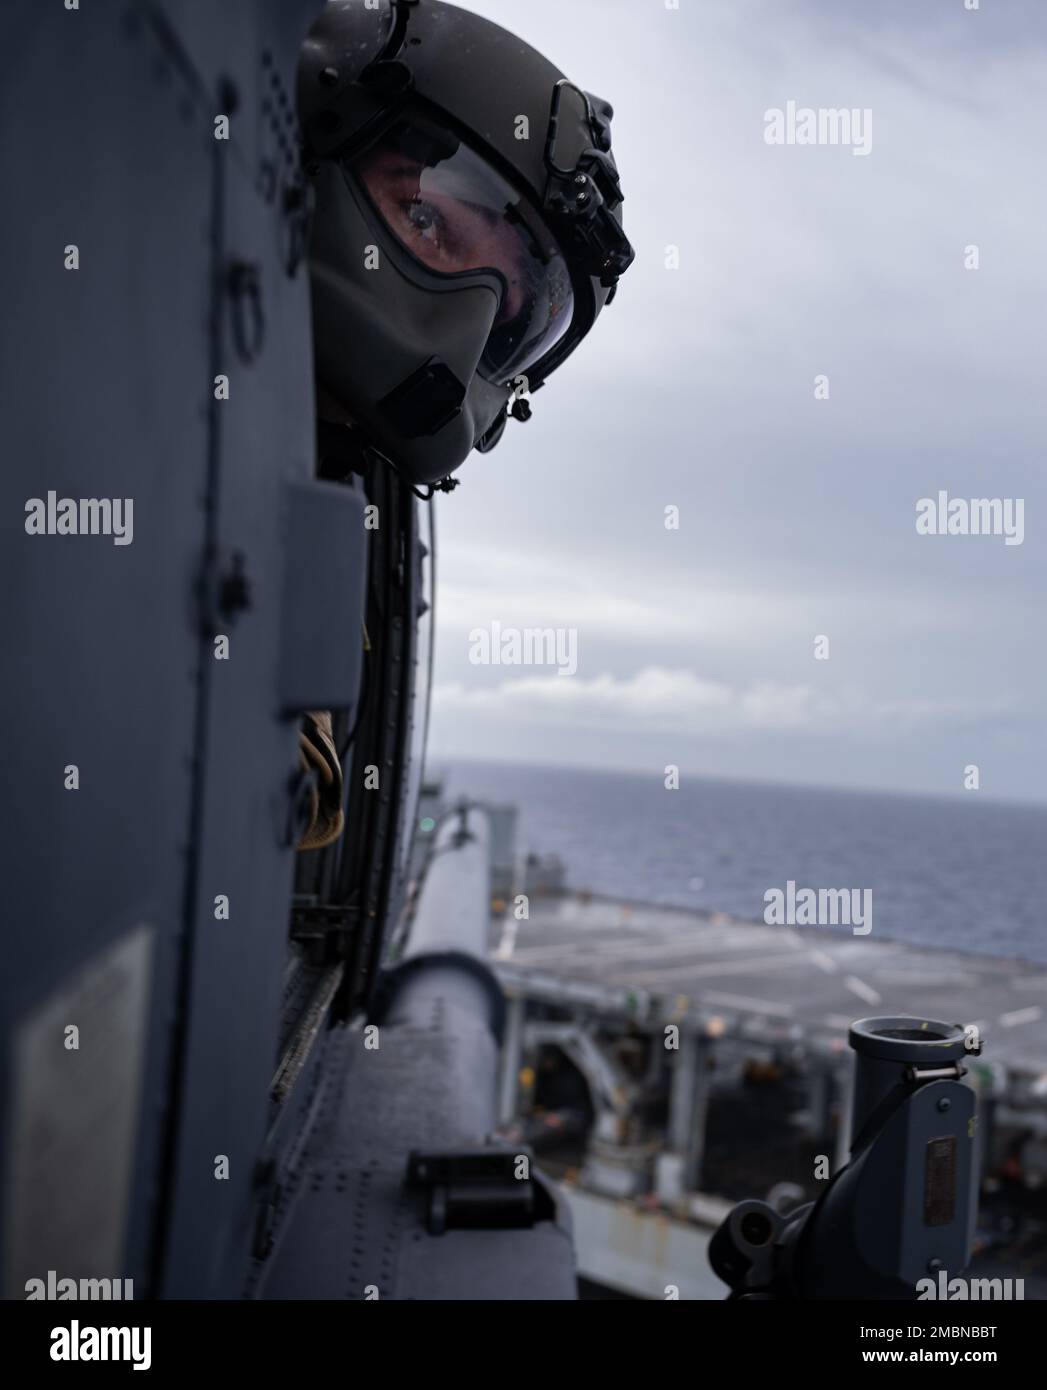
<point>445,961</point>
<point>422,1077</point>
<point>320,664</point>
<point>454,911</point>
<point>107,391</point>
<point>150,907</point>
<point>351,1229</point>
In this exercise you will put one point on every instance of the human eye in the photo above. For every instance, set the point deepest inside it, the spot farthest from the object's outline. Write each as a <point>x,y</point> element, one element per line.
<point>427,225</point>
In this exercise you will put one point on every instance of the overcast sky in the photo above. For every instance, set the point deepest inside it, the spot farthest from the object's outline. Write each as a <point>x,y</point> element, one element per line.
<point>697,390</point>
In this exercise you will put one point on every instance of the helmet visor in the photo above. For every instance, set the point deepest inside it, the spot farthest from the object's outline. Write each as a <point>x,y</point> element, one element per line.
<point>456,214</point>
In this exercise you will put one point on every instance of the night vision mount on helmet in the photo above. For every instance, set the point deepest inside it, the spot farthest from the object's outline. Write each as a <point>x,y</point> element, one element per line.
<point>466,229</point>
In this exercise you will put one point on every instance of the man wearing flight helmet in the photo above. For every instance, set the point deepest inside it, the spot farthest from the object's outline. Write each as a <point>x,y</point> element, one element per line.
<point>466,234</point>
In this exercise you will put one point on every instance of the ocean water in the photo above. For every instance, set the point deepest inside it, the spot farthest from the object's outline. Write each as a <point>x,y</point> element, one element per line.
<point>955,872</point>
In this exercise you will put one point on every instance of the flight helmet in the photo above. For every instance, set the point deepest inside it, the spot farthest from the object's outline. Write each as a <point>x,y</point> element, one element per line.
<point>466,223</point>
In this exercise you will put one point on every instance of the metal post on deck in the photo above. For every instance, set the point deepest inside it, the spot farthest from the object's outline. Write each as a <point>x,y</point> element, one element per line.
<point>819,1101</point>
<point>509,1066</point>
<point>981,1082</point>
<point>703,1087</point>
<point>844,1113</point>
<point>688,1106</point>
<point>681,1092</point>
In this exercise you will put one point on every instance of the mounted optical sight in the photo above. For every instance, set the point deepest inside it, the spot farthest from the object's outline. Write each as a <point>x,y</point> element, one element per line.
<point>902,1209</point>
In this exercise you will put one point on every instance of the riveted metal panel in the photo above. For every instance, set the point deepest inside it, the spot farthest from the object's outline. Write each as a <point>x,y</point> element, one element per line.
<point>123,223</point>
<point>104,395</point>
<point>263,441</point>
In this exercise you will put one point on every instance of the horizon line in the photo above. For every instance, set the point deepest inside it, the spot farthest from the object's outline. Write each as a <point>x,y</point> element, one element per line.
<point>432,757</point>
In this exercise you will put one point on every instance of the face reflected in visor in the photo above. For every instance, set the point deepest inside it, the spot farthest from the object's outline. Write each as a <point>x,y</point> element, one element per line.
<point>455,213</point>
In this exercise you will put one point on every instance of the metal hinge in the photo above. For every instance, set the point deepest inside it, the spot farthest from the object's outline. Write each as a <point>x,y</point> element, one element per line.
<point>487,1189</point>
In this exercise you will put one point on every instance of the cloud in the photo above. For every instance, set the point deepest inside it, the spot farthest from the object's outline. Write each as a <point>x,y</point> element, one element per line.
<point>620,616</point>
<point>696,389</point>
<point>658,698</point>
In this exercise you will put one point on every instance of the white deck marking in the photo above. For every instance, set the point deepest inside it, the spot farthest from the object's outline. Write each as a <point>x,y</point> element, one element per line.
<point>862,990</point>
<point>508,940</point>
<point>823,961</point>
<point>1012,1020</point>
